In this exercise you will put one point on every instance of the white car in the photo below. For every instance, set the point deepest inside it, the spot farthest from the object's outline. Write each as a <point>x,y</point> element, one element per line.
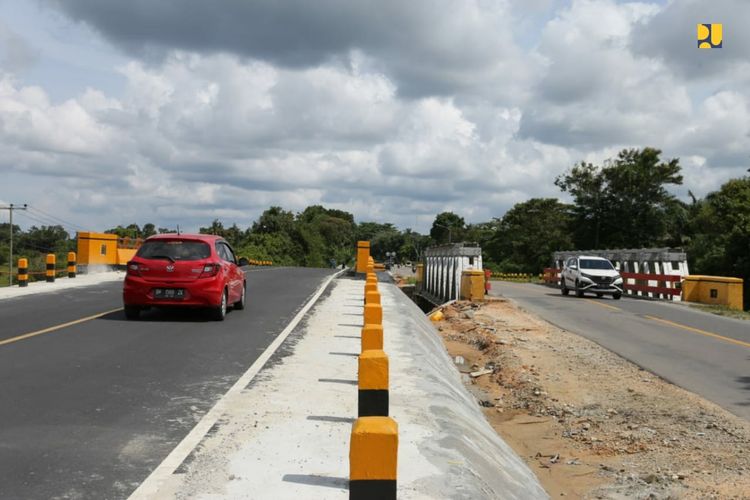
<point>590,274</point>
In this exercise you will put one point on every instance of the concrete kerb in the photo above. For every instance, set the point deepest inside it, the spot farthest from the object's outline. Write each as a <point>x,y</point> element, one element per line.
<point>288,435</point>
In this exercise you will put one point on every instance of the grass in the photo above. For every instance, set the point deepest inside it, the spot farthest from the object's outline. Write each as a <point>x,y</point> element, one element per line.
<point>722,311</point>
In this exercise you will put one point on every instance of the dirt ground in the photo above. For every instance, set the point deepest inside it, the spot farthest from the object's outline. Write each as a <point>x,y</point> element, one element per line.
<point>589,423</point>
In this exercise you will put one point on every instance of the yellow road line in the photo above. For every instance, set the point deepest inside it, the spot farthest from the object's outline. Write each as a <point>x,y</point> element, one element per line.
<point>57,327</point>
<point>699,331</point>
<point>598,303</point>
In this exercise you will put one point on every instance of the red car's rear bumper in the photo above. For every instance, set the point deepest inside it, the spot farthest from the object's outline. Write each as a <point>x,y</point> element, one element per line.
<point>204,292</point>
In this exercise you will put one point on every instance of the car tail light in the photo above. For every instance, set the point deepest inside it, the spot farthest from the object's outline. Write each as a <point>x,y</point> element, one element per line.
<point>210,270</point>
<point>134,269</point>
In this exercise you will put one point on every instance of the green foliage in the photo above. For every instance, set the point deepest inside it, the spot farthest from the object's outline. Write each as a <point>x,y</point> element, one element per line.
<point>527,235</point>
<point>448,227</point>
<point>623,204</point>
<point>721,233</point>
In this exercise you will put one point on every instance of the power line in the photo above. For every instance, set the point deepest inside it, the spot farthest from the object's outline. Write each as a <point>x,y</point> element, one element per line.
<point>53,217</point>
<point>48,222</point>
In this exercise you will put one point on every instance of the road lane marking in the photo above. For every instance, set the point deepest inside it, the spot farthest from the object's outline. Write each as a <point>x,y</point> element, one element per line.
<point>160,475</point>
<point>600,304</point>
<point>699,331</point>
<point>57,327</point>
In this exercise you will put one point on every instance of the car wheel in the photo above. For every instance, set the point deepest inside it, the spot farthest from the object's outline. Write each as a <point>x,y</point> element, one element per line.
<point>219,313</point>
<point>564,289</point>
<point>240,304</point>
<point>579,292</point>
<point>617,296</point>
<point>132,312</point>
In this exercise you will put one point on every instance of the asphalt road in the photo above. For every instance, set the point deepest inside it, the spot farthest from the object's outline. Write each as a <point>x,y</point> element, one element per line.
<point>88,410</point>
<point>701,352</point>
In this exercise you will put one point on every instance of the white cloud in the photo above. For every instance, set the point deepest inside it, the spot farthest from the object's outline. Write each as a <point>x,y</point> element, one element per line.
<point>461,118</point>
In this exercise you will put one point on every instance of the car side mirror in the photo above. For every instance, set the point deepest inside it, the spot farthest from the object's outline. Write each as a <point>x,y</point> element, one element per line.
<point>243,262</point>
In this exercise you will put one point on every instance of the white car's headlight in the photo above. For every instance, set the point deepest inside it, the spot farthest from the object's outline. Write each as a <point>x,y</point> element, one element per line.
<point>617,280</point>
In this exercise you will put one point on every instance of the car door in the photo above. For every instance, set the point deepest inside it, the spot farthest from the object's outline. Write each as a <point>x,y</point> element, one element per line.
<point>234,273</point>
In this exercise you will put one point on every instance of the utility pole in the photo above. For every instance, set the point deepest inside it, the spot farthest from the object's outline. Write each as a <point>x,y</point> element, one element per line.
<point>10,209</point>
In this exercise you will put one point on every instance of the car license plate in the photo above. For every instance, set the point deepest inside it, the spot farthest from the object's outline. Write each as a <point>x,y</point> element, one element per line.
<point>169,293</point>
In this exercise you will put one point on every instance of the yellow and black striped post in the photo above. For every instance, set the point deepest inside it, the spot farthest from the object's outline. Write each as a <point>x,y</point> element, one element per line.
<point>71,264</point>
<point>373,459</point>
<point>372,337</point>
<point>23,272</point>
<point>373,384</point>
<point>50,268</point>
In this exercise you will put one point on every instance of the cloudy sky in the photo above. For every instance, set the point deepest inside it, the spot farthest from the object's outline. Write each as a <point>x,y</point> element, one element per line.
<point>182,111</point>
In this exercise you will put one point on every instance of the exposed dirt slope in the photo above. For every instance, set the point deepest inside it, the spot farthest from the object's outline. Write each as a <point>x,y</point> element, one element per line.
<point>589,423</point>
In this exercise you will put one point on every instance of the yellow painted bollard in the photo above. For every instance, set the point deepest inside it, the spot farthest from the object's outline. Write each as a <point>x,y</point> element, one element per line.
<point>50,273</point>
<point>372,337</point>
<point>373,459</point>
<point>373,384</point>
<point>370,287</point>
<point>71,264</point>
<point>23,272</point>
<point>372,298</point>
<point>373,314</point>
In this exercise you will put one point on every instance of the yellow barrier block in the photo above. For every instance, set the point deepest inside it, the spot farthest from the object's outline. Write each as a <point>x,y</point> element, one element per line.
<point>373,456</point>
<point>472,284</point>
<point>372,337</point>
<point>372,298</point>
<point>717,290</point>
<point>373,370</point>
<point>373,384</point>
<point>373,314</point>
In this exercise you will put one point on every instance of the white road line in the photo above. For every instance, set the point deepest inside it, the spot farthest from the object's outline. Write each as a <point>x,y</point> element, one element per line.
<point>150,487</point>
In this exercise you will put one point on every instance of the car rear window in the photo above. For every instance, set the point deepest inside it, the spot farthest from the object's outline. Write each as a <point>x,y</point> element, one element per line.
<point>595,264</point>
<point>175,250</point>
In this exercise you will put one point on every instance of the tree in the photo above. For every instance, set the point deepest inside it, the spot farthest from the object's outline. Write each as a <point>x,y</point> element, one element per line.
<point>447,227</point>
<point>721,227</point>
<point>529,233</point>
<point>623,204</point>
<point>148,230</point>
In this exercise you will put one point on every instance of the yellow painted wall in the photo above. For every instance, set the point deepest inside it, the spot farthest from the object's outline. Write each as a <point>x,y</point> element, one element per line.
<point>363,256</point>
<point>728,291</point>
<point>97,249</point>
<point>124,255</point>
<point>472,284</point>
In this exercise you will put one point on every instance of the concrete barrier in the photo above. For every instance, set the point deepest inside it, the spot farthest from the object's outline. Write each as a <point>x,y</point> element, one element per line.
<point>373,459</point>
<point>718,290</point>
<point>372,337</point>
<point>451,449</point>
<point>373,384</point>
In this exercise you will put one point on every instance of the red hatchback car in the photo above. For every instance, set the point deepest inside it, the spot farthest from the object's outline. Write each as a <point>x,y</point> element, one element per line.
<point>188,270</point>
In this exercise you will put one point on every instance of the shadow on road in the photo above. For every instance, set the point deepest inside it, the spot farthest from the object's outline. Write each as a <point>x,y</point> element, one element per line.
<point>314,480</point>
<point>165,314</point>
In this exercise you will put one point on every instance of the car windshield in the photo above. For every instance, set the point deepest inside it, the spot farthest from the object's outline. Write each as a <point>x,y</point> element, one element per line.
<point>595,264</point>
<point>174,250</point>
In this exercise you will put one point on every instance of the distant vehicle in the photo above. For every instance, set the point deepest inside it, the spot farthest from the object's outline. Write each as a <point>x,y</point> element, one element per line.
<point>590,274</point>
<point>187,270</point>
